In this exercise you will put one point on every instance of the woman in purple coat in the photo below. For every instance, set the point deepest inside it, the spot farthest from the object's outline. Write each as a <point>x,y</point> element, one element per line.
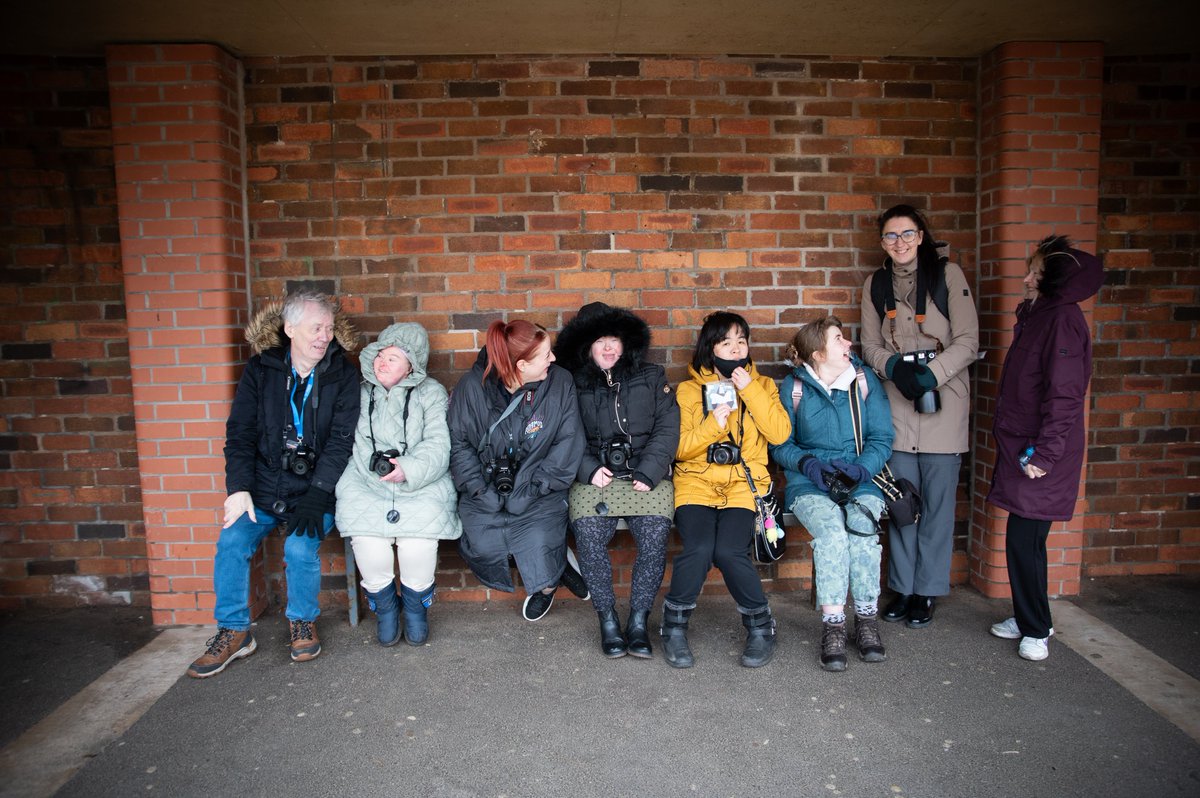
<point>1039,428</point>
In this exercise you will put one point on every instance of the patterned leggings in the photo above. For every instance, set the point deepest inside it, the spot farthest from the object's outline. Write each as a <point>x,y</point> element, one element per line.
<point>842,562</point>
<point>592,536</point>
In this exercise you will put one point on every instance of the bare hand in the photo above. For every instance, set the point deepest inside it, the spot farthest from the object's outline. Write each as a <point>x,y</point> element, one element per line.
<point>602,477</point>
<point>397,474</point>
<point>740,377</point>
<point>720,413</point>
<point>237,505</point>
<point>641,486</point>
<point>1033,472</point>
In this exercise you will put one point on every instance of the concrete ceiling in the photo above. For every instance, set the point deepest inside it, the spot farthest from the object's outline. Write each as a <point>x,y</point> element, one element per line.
<point>944,28</point>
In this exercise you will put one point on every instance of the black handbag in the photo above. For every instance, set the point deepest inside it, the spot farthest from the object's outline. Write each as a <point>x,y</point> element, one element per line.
<point>769,540</point>
<point>900,496</point>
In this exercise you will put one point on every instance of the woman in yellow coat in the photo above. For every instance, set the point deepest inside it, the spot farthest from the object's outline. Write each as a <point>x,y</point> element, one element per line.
<point>728,414</point>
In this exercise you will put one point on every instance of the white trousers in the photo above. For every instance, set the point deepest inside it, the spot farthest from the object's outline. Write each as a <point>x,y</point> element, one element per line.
<point>376,561</point>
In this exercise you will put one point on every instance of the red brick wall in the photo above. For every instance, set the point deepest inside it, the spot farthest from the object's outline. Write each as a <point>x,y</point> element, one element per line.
<point>454,192</point>
<point>72,525</point>
<point>1144,456</point>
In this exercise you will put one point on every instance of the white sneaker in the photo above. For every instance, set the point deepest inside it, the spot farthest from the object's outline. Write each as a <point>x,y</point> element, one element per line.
<point>1034,648</point>
<point>1008,630</point>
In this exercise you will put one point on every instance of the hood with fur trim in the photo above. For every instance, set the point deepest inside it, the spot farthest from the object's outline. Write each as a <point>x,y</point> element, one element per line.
<point>265,330</point>
<point>596,320</point>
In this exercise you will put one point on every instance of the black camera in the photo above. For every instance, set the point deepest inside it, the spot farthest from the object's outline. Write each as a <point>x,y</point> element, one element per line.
<point>379,462</point>
<point>616,454</point>
<point>724,453</point>
<point>503,473</point>
<point>840,486</point>
<point>298,458</point>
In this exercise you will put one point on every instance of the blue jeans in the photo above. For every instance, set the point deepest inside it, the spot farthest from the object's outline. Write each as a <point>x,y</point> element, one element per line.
<point>231,570</point>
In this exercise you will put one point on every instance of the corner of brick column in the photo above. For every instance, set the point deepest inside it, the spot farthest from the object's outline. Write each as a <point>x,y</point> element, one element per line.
<point>177,128</point>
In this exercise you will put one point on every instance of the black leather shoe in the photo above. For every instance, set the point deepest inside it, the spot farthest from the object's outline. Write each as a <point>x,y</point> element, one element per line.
<point>899,608</point>
<point>921,612</point>
<point>612,642</point>
<point>637,637</point>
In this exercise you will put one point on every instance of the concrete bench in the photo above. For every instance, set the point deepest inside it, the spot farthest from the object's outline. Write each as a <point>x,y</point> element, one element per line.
<point>352,591</point>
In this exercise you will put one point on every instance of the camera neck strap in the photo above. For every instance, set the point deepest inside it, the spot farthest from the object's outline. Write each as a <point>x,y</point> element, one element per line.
<point>508,411</point>
<point>403,421</point>
<point>294,381</point>
<point>884,480</point>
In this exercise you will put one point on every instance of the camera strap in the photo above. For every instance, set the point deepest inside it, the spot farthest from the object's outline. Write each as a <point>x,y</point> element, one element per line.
<point>403,421</point>
<point>483,441</point>
<point>294,383</point>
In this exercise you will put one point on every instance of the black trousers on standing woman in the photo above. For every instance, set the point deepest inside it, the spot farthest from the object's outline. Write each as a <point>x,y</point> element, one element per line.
<point>1025,550</point>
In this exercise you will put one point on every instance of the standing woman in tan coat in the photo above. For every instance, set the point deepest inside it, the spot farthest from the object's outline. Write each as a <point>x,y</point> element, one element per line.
<point>920,331</point>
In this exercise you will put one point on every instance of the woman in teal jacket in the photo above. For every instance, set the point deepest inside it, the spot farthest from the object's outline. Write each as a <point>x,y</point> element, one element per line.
<point>829,486</point>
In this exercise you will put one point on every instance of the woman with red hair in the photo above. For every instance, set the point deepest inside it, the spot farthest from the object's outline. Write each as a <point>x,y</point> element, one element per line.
<point>515,445</point>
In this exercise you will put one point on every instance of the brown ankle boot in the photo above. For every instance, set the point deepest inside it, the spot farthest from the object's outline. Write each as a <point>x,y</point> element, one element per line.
<point>223,648</point>
<point>305,644</point>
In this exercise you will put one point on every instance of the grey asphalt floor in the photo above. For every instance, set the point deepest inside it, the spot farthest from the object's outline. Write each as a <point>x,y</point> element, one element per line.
<point>496,706</point>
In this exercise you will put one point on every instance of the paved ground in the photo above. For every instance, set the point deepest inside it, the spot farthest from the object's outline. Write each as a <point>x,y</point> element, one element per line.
<point>495,706</point>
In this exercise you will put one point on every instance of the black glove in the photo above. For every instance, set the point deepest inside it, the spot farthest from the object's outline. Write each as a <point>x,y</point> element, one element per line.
<point>913,379</point>
<point>309,516</point>
<point>815,469</point>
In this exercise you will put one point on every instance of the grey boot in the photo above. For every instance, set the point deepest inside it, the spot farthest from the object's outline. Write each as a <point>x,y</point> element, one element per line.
<point>760,637</point>
<point>674,637</point>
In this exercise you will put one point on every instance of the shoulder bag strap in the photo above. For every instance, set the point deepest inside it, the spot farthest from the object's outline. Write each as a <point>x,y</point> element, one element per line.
<point>507,412</point>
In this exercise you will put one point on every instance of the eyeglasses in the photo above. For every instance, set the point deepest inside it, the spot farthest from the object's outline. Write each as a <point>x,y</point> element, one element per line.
<point>890,239</point>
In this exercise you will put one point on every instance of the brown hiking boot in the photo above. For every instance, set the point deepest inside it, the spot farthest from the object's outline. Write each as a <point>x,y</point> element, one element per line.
<point>833,646</point>
<point>223,648</point>
<point>305,643</point>
<point>867,639</point>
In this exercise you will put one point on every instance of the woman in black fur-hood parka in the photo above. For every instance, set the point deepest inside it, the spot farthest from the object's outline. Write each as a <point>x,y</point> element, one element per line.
<point>631,419</point>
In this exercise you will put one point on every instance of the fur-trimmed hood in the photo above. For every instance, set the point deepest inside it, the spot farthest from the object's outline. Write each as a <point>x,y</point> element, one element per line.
<point>265,330</point>
<point>596,320</point>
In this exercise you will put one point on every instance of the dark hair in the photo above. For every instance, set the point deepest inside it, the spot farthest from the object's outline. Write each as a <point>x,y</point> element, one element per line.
<point>1058,265</point>
<point>714,329</point>
<point>811,338</point>
<point>927,254</point>
<point>508,343</point>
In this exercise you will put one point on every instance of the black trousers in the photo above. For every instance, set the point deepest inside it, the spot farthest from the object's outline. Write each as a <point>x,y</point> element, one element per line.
<point>1025,550</point>
<point>720,537</point>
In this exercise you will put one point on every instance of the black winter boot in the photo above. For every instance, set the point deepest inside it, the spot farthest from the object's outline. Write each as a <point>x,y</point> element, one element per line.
<point>636,634</point>
<point>612,642</point>
<point>674,637</point>
<point>760,637</point>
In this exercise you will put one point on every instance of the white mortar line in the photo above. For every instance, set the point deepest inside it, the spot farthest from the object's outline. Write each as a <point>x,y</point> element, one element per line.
<point>1155,682</point>
<point>45,757</point>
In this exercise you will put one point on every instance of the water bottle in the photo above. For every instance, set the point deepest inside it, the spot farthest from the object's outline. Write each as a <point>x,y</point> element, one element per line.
<point>1023,460</point>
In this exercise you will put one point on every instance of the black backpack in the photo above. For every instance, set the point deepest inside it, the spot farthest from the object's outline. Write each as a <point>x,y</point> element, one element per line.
<point>931,283</point>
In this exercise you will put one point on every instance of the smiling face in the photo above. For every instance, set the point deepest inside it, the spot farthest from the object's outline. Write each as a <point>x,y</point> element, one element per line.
<point>835,356</point>
<point>390,366</point>
<point>310,337</point>
<point>733,346</point>
<point>606,351</point>
<point>538,364</point>
<point>902,252</point>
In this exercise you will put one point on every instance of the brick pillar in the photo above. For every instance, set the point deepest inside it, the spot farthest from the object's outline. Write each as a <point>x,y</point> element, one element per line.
<point>1040,110</point>
<point>176,113</point>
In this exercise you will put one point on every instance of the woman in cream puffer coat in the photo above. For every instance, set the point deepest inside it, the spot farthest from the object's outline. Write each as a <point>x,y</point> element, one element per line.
<point>402,497</point>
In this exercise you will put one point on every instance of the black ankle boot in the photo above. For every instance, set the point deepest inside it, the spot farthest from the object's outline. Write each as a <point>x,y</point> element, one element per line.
<point>636,635</point>
<point>760,638</point>
<point>612,642</point>
<point>674,637</point>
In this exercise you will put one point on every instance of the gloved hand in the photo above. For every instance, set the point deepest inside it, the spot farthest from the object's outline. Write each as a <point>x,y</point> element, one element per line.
<point>890,366</point>
<point>309,516</point>
<point>913,379</point>
<point>852,470</point>
<point>815,470</point>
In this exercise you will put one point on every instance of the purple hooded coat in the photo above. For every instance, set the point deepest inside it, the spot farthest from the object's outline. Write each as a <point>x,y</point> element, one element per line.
<point>1041,402</point>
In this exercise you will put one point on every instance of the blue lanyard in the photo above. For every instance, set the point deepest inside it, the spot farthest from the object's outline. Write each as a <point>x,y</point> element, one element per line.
<point>298,415</point>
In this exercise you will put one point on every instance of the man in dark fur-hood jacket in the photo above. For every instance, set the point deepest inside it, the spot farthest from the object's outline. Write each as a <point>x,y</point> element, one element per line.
<point>288,439</point>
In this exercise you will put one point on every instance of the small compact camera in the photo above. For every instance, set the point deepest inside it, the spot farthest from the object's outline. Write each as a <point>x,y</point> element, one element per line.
<point>841,487</point>
<point>724,454</point>
<point>503,473</point>
<point>616,454</point>
<point>380,462</point>
<point>930,401</point>
<point>298,458</point>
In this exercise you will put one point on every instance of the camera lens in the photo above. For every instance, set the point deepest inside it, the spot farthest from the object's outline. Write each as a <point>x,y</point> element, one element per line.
<point>299,466</point>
